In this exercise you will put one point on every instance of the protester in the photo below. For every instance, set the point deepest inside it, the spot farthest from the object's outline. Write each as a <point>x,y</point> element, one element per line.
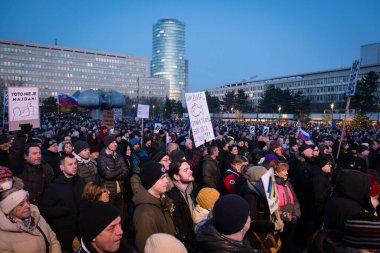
<point>210,170</point>
<point>163,243</point>
<point>96,191</point>
<point>234,178</point>
<point>206,199</point>
<point>87,167</point>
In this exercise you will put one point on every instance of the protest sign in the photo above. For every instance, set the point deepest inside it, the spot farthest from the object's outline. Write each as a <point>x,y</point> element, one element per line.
<point>252,130</point>
<point>157,127</point>
<point>23,107</point>
<point>143,111</point>
<point>265,130</point>
<point>200,120</point>
<point>270,190</point>
<point>108,119</point>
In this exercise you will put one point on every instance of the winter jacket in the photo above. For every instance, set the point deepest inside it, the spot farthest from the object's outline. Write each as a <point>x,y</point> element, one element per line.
<point>209,240</point>
<point>19,239</point>
<point>351,195</point>
<point>60,206</point>
<point>232,181</point>
<point>87,247</point>
<point>288,201</point>
<point>87,168</point>
<point>211,173</point>
<point>151,216</point>
<point>113,169</point>
<point>182,215</point>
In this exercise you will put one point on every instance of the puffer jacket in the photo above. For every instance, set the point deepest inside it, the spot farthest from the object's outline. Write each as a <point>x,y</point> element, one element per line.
<point>15,238</point>
<point>151,216</point>
<point>113,170</point>
<point>86,168</point>
<point>351,195</point>
<point>209,240</point>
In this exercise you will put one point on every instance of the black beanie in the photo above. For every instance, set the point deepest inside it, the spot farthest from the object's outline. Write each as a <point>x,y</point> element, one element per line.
<point>48,142</point>
<point>177,154</point>
<point>94,217</point>
<point>108,140</point>
<point>80,146</point>
<point>292,142</point>
<point>261,144</point>
<point>230,213</point>
<point>150,173</point>
<point>156,157</point>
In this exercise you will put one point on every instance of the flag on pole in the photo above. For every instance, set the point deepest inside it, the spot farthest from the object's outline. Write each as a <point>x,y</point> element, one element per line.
<point>303,135</point>
<point>65,99</point>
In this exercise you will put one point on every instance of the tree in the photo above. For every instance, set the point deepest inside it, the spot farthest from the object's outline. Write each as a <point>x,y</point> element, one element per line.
<point>213,103</point>
<point>241,100</point>
<point>229,100</point>
<point>49,105</point>
<point>168,108</point>
<point>270,100</point>
<point>359,120</point>
<point>300,105</point>
<point>365,95</point>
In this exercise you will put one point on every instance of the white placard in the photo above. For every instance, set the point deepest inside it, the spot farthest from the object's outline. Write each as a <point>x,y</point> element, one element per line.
<point>270,190</point>
<point>157,127</point>
<point>143,111</point>
<point>200,119</point>
<point>252,130</point>
<point>23,107</point>
<point>265,130</point>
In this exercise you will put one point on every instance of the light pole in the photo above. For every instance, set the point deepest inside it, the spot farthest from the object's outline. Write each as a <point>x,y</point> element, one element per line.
<point>153,111</point>
<point>332,114</point>
<point>232,109</point>
<point>279,111</point>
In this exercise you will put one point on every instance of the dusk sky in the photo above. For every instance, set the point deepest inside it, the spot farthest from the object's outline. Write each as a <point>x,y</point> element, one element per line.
<point>226,40</point>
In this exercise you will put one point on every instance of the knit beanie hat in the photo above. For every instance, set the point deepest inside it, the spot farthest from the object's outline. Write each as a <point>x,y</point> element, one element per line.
<point>4,139</point>
<point>274,144</point>
<point>304,147</point>
<point>230,213</point>
<point>362,148</point>
<point>163,243</point>
<point>80,146</point>
<point>321,160</point>
<point>362,231</point>
<point>48,142</point>
<point>94,217</point>
<point>255,173</point>
<point>150,173</point>
<point>5,173</point>
<point>12,200</point>
<point>270,157</point>
<point>133,141</point>
<point>107,140</point>
<point>156,157</point>
<point>207,197</point>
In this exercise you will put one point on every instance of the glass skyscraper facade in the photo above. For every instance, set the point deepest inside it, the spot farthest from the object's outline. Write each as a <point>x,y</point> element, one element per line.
<point>168,56</point>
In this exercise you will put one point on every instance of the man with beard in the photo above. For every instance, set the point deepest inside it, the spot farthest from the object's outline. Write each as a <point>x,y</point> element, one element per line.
<point>182,177</point>
<point>61,201</point>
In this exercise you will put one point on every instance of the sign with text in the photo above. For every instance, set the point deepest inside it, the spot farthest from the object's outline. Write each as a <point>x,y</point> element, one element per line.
<point>270,190</point>
<point>108,119</point>
<point>200,119</point>
<point>351,85</point>
<point>23,107</point>
<point>265,130</point>
<point>252,130</point>
<point>143,111</point>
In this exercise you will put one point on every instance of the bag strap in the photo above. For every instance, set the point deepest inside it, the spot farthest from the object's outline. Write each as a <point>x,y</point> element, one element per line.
<point>47,244</point>
<point>257,237</point>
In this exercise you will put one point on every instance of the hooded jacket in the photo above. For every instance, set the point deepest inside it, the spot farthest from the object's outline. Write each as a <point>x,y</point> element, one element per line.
<point>208,239</point>
<point>351,195</point>
<point>19,239</point>
<point>151,216</point>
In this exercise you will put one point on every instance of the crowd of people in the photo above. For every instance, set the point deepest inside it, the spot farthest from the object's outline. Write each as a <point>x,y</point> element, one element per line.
<point>75,185</point>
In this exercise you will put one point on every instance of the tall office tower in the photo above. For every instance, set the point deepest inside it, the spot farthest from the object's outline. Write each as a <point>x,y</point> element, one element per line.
<point>168,56</point>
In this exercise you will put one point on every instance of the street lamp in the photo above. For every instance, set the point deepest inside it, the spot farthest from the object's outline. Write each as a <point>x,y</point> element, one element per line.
<point>232,109</point>
<point>332,114</point>
<point>153,111</point>
<point>279,110</point>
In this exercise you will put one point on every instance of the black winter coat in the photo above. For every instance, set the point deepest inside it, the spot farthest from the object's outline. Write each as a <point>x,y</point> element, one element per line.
<point>52,159</point>
<point>211,174</point>
<point>60,206</point>
<point>182,218</point>
<point>112,168</point>
<point>351,195</point>
<point>209,240</point>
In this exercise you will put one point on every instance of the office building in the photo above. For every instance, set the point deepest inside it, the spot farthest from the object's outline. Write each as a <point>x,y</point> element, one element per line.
<point>57,68</point>
<point>168,56</point>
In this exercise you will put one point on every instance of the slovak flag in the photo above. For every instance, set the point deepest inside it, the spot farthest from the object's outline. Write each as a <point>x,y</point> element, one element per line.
<point>64,99</point>
<point>303,135</point>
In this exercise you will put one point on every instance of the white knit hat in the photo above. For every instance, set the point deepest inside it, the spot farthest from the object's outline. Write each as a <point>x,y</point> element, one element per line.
<point>164,243</point>
<point>12,200</point>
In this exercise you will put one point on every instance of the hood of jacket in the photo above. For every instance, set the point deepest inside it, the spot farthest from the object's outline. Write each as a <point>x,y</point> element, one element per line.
<point>8,226</point>
<point>354,185</point>
<point>142,197</point>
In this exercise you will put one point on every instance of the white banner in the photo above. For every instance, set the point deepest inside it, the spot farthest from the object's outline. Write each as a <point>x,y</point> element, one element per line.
<point>23,107</point>
<point>143,111</point>
<point>200,119</point>
<point>270,190</point>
